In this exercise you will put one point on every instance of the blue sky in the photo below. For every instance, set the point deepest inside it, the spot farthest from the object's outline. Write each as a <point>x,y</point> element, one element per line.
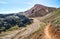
<point>12,6</point>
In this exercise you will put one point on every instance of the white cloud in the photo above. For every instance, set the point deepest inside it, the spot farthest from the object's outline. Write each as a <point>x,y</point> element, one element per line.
<point>36,2</point>
<point>33,2</point>
<point>7,11</point>
<point>29,3</point>
<point>3,2</point>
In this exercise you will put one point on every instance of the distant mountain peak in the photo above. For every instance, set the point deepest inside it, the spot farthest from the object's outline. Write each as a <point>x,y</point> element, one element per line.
<point>39,10</point>
<point>38,5</point>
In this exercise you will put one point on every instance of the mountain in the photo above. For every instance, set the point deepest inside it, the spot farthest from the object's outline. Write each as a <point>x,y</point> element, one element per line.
<point>39,10</point>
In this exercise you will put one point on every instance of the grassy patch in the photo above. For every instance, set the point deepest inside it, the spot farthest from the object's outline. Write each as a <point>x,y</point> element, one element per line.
<point>9,31</point>
<point>42,25</point>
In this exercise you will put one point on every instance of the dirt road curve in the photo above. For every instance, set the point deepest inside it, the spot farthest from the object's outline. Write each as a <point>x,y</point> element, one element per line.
<point>27,31</point>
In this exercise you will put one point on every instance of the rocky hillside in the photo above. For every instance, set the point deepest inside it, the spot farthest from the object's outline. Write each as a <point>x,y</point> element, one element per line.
<point>39,10</point>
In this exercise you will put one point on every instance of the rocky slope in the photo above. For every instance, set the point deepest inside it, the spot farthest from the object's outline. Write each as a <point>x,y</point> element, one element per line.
<point>39,10</point>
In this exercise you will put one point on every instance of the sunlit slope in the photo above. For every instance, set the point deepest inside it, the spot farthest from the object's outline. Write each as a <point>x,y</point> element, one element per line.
<point>52,17</point>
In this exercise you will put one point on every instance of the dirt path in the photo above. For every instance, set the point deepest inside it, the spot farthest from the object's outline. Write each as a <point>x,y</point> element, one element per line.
<point>25,31</point>
<point>28,30</point>
<point>51,32</point>
<point>46,31</point>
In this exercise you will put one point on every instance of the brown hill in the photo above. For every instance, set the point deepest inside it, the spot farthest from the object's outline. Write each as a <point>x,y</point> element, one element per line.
<point>39,10</point>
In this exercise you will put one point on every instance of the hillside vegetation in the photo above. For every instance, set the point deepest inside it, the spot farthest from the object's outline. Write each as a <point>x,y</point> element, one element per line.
<point>52,17</point>
<point>8,21</point>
